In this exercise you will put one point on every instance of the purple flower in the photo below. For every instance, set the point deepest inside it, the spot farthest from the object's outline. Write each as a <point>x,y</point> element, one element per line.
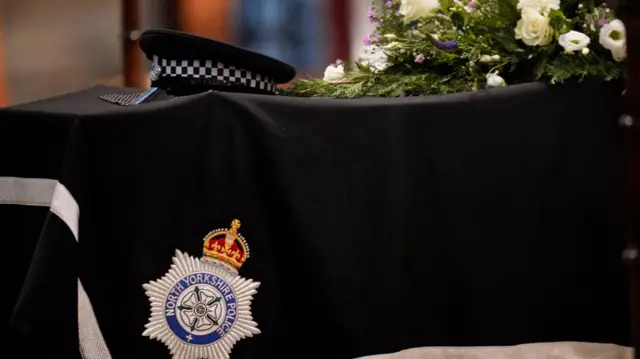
<point>447,45</point>
<point>420,58</point>
<point>367,41</point>
<point>602,21</point>
<point>377,38</point>
<point>401,94</point>
<point>371,15</point>
<point>389,3</point>
<point>471,4</point>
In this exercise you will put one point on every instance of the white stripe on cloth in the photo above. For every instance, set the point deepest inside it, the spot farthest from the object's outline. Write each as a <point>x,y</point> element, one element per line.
<point>554,350</point>
<point>43,192</point>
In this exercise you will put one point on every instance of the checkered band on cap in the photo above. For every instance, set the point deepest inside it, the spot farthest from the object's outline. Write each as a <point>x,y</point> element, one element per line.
<point>208,69</point>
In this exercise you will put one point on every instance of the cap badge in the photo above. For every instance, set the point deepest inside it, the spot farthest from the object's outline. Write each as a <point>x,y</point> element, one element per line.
<point>156,70</point>
<point>202,307</point>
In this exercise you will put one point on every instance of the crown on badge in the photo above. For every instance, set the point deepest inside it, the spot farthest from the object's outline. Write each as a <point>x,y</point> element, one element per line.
<point>227,246</point>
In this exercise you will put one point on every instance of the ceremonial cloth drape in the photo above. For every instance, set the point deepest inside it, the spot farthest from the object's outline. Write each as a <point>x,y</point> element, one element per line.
<point>374,225</point>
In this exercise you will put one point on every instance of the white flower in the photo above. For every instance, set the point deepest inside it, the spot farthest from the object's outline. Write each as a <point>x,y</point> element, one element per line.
<point>533,29</point>
<point>392,45</point>
<point>415,9</point>
<point>375,58</point>
<point>494,80</point>
<point>613,37</point>
<point>586,51</point>
<point>489,59</point>
<point>574,41</point>
<point>390,36</point>
<point>417,33</point>
<point>620,54</point>
<point>540,5</point>
<point>486,59</point>
<point>334,73</point>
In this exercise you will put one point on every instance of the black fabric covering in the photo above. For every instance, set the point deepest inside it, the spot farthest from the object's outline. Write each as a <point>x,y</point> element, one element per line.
<point>44,321</point>
<point>375,225</point>
<point>30,146</point>
<point>38,141</point>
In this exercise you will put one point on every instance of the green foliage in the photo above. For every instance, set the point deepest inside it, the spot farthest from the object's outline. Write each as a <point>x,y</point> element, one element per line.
<point>370,84</point>
<point>456,49</point>
<point>560,24</point>
<point>568,66</point>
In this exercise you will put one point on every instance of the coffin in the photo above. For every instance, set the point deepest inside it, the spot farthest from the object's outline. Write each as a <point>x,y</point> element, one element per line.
<point>472,225</point>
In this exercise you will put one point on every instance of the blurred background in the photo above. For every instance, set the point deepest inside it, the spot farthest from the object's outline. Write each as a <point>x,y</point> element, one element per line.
<point>53,47</point>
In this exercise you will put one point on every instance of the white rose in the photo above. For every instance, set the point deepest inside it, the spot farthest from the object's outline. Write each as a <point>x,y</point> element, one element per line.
<point>540,5</point>
<point>613,37</point>
<point>494,80</point>
<point>334,73</point>
<point>533,29</point>
<point>415,9</point>
<point>574,41</point>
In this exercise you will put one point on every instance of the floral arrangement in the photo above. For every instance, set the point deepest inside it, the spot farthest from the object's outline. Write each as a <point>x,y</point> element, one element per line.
<point>424,47</point>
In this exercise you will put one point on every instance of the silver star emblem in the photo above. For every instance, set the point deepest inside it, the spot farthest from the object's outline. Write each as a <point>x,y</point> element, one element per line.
<point>200,309</point>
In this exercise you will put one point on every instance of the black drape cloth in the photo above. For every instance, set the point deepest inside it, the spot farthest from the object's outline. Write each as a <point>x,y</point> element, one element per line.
<point>375,225</point>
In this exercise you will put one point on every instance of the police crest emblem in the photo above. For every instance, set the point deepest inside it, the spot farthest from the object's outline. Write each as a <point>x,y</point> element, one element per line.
<point>156,70</point>
<point>202,307</point>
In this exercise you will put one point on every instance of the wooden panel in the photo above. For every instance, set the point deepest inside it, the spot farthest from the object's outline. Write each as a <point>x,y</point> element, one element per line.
<point>3,74</point>
<point>133,73</point>
<point>205,18</point>
<point>340,21</point>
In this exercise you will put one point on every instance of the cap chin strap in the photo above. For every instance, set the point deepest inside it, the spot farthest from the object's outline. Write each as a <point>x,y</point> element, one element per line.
<point>190,86</point>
